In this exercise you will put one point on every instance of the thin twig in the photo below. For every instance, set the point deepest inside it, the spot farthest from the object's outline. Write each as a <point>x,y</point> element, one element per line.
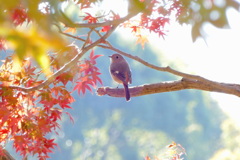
<point>106,23</point>
<point>68,65</point>
<point>87,40</point>
<point>100,36</point>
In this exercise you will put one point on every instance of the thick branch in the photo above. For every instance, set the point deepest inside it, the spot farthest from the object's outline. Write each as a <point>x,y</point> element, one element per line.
<point>224,87</point>
<point>166,87</point>
<point>228,88</point>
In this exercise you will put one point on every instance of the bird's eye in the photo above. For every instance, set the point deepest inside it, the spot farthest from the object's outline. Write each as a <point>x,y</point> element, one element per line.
<point>117,57</point>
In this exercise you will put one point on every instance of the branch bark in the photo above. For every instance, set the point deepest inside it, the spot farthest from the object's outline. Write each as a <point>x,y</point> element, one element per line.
<point>230,89</point>
<point>170,86</point>
<point>7,156</point>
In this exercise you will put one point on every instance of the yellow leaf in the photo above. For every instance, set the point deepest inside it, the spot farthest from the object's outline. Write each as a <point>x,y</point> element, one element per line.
<point>174,143</point>
<point>142,39</point>
<point>35,43</point>
<point>16,64</point>
<point>69,29</point>
<point>43,61</point>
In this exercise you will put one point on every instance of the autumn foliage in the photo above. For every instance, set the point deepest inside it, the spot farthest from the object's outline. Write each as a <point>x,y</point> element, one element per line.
<point>37,76</point>
<point>26,118</point>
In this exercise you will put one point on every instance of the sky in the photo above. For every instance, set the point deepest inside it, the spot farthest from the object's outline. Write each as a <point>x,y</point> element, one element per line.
<point>217,58</point>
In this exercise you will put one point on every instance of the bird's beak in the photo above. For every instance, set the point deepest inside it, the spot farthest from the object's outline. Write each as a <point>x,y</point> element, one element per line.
<point>110,56</point>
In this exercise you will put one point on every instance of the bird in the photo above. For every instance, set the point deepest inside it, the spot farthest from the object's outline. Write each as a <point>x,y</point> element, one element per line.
<point>120,72</point>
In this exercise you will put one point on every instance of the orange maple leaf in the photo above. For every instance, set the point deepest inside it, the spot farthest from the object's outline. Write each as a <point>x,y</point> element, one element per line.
<point>142,39</point>
<point>147,158</point>
<point>69,29</point>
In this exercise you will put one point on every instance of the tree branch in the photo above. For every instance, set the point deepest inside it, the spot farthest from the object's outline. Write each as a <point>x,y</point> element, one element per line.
<point>233,89</point>
<point>228,88</point>
<point>170,86</point>
<point>7,156</point>
<point>67,65</point>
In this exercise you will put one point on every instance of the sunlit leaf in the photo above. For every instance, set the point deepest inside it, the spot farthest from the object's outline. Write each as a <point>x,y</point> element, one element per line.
<point>69,29</point>
<point>142,40</point>
<point>30,43</point>
<point>43,60</point>
<point>16,64</point>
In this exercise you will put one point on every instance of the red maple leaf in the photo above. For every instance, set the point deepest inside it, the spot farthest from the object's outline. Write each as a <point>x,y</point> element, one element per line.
<point>136,30</point>
<point>94,57</point>
<point>2,44</point>
<point>105,28</point>
<point>88,75</point>
<point>90,18</point>
<point>65,78</point>
<point>19,16</point>
<point>64,102</point>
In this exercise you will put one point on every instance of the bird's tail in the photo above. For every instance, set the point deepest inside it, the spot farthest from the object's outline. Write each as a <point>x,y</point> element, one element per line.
<point>127,94</point>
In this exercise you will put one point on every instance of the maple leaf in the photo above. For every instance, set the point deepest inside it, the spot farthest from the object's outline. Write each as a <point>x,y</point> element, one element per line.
<point>55,114</point>
<point>64,102</point>
<point>79,87</point>
<point>94,57</point>
<point>147,158</point>
<point>3,44</point>
<point>96,78</point>
<point>19,16</point>
<point>172,145</point>
<point>90,18</point>
<point>65,78</point>
<point>136,30</point>
<point>105,28</point>
<point>142,39</point>
<point>157,25</point>
<point>70,29</point>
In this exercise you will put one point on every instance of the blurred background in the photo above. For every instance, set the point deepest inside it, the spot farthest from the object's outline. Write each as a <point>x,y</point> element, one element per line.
<point>205,124</point>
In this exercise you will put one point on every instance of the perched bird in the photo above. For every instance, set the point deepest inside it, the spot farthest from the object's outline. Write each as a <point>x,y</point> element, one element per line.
<point>120,72</point>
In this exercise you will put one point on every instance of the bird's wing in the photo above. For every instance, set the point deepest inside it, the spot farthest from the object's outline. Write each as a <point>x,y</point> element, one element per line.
<point>119,75</point>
